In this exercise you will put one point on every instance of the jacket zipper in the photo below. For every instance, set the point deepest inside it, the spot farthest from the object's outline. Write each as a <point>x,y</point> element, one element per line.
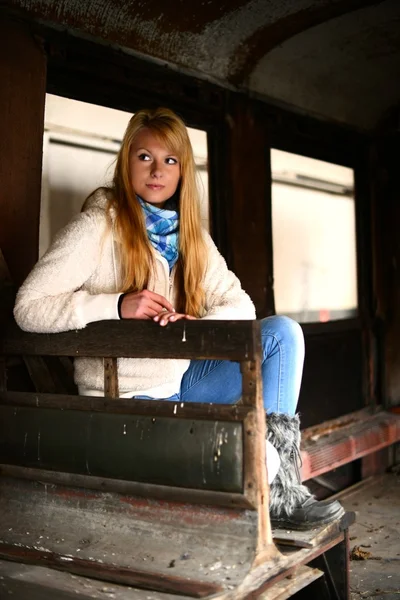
<point>169,277</point>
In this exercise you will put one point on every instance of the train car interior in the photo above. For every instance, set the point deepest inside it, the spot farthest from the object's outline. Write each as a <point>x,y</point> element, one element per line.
<point>293,113</point>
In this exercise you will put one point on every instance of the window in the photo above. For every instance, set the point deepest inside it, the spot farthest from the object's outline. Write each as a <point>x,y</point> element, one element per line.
<point>80,145</point>
<point>314,246</point>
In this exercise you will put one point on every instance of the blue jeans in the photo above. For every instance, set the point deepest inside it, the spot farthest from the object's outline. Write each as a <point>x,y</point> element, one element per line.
<point>220,381</point>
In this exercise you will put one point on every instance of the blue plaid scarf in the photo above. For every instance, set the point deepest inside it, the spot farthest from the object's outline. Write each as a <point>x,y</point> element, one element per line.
<point>162,226</point>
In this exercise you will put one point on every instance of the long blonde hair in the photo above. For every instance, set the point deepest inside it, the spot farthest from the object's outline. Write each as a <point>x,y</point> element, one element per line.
<point>136,251</point>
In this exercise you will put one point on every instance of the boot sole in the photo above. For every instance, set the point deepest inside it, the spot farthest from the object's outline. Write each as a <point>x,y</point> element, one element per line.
<point>283,524</point>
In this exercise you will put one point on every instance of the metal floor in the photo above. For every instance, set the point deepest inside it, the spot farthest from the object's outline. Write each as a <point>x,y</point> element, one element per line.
<point>375,538</point>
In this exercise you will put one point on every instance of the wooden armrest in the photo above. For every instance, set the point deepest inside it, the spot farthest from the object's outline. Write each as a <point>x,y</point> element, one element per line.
<point>231,340</point>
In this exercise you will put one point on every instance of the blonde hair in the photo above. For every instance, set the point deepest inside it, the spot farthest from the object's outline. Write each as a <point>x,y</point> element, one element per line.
<point>136,251</point>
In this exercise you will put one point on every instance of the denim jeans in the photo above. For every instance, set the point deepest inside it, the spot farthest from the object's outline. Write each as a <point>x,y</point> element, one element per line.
<point>220,381</point>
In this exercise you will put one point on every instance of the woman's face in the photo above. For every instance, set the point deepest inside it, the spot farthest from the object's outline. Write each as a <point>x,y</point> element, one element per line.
<point>155,171</point>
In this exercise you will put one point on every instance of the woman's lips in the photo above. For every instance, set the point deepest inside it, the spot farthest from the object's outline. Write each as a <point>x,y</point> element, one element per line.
<point>155,187</point>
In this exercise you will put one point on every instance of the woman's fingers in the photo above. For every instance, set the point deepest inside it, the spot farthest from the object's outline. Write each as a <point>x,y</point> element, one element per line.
<point>144,305</point>
<point>160,300</point>
<point>153,308</point>
<point>149,305</point>
<point>166,317</point>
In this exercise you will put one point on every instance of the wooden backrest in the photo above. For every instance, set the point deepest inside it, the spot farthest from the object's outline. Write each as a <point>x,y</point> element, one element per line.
<point>165,449</point>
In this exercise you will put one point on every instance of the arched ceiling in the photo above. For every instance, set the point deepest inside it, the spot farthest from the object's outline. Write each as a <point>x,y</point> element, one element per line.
<point>339,59</point>
<point>347,69</point>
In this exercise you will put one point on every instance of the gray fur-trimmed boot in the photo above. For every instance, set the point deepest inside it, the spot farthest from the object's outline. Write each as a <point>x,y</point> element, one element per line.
<point>291,504</point>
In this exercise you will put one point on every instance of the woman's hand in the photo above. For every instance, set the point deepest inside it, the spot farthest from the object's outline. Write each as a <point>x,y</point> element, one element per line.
<point>166,316</point>
<point>144,305</point>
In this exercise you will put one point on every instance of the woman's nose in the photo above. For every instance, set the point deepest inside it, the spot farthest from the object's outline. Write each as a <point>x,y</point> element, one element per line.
<point>156,170</point>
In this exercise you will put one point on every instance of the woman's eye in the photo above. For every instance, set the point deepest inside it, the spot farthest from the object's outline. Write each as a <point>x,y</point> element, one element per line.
<point>144,156</point>
<point>171,161</point>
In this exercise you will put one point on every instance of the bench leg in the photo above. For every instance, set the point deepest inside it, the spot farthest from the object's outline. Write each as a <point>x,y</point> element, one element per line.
<point>335,584</point>
<point>334,563</point>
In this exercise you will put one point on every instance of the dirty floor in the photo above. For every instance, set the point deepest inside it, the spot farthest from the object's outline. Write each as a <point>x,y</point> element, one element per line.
<point>375,538</point>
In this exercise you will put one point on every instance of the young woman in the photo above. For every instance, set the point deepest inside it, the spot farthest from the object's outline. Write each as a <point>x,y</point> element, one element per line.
<point>137,251</point>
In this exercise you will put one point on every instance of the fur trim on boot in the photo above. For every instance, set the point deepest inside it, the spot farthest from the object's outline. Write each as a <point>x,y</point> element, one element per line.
<point>286,491</point>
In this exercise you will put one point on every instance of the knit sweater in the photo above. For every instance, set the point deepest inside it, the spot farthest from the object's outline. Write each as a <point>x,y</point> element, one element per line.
<point>78,281</point>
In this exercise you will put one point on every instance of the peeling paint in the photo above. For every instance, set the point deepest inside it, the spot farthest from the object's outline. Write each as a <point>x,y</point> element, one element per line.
<point>186,34</point>
<point>257,45</point>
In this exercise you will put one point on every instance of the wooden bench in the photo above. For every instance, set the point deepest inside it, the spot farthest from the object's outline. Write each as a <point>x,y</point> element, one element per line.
<point>154,495</point>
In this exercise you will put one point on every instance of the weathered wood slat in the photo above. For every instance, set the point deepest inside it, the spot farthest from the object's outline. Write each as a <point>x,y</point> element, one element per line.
<point>143,542</point>
<point>110,378</point>
<point>127,406</point>
<point>30,582</point>
<point>62,372</point>
<point>134,488</point>
<point>289,586</point>
<point>141,339</point>
<point>310,538</point>
<point>169,451</point>
<point>109,572</point>
<point>213,545</point>
<point>40,374</point>
<point>255,474</point>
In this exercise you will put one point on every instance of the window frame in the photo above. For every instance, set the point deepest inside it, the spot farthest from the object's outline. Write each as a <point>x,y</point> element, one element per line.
<point>348,152</point>
<point>353,320</point>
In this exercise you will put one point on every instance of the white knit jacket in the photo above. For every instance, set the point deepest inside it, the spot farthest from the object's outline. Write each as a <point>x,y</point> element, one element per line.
<point>77,281</point>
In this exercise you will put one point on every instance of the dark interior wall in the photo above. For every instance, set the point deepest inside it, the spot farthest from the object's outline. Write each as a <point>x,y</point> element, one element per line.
<point>392,357</point>
<point>334,373</point>
<point>22,98</point>
<point>385,161</point>
<point>248,200</point>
